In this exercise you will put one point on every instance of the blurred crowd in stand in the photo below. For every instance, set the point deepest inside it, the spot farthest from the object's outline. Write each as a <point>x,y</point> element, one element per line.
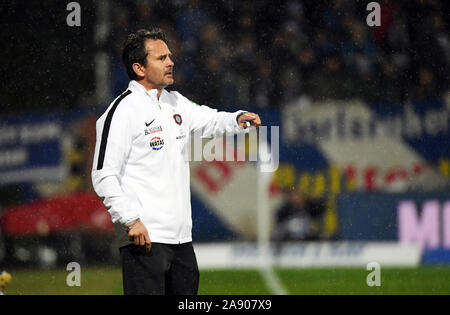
<point>228,54</point>
<point>267,54</point>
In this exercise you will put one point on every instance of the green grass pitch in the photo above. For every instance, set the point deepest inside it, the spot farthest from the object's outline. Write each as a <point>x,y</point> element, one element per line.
<point>104,280</point>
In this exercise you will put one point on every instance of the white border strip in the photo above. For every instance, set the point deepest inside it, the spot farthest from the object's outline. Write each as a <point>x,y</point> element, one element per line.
<point>34,175</point>
<point>307,254</point>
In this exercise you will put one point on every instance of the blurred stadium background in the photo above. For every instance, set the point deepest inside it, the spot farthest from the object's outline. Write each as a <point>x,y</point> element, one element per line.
<point>364,116</point>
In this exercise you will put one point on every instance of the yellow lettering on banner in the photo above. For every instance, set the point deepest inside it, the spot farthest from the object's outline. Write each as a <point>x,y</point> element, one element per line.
<point>330,221</point>
<point>285,176</point>
<point>335,179</point>
<point>314,185</point>
<point>351,184</point>
<point>319,185</point>
<point>304,183</point>
<point>444,167</point>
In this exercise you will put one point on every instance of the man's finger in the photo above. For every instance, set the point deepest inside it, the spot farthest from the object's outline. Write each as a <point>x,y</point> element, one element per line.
<point>148,242</point>
<point>249,117</point>
<point>253,119</point>
<point>256,122</point>
<point>141,240</point>
<point>131,237</point>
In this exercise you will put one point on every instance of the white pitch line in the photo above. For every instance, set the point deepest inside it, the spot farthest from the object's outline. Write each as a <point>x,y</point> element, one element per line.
<point>272,281</point>
<point>264,218</point>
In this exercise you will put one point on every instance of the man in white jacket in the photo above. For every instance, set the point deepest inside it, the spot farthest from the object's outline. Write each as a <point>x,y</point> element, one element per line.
<point>141,170</point>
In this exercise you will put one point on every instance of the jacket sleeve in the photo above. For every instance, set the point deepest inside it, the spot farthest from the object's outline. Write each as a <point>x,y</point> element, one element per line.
<point>210,122</point>
<point>113,144</point>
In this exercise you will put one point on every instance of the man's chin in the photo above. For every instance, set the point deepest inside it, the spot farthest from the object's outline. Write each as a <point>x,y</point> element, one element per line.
<point>166,84</point>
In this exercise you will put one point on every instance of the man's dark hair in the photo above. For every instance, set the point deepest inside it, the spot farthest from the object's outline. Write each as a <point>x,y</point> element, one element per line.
<point>134,48</point>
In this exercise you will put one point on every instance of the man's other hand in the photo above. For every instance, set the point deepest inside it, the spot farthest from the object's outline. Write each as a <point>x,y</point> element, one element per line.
<point>138,234</point>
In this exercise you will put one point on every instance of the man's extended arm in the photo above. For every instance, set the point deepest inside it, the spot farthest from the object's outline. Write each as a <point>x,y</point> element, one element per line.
<point>211,122</point>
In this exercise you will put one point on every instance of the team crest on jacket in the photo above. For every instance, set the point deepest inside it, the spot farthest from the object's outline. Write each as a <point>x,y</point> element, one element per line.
<point>178,119</point>
<point>156,143</point>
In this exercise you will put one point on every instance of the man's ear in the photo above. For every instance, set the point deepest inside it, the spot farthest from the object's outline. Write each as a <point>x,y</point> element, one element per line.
<point>138,69</point>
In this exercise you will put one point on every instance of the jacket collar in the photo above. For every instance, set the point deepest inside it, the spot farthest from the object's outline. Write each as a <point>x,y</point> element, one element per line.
<point>135,86</point>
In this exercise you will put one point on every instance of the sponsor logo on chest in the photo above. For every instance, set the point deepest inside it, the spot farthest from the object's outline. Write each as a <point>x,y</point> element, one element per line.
<point>152,130</point>
<point>156,143</point>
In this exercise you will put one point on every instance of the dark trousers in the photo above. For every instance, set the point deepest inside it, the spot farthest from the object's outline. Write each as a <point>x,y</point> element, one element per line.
<point>165,269</point>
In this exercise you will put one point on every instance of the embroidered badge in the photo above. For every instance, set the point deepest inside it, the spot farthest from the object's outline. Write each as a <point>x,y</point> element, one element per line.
<point>178,119</point>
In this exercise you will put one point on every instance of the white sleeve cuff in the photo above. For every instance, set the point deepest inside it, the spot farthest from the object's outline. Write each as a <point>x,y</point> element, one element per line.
<point>239,128</point>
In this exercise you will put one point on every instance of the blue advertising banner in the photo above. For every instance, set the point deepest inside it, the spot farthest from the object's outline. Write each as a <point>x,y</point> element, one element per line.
<point>30,149</point>
<point>420,218</point>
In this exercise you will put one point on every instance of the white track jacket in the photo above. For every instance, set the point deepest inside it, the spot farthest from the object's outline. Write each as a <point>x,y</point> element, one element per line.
<point>141,167</point>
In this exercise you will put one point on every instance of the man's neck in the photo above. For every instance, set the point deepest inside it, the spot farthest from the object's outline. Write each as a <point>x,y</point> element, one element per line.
<point>148,86</point>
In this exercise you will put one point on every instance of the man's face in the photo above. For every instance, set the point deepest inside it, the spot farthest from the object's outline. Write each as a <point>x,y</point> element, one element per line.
<point>159,69</point>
